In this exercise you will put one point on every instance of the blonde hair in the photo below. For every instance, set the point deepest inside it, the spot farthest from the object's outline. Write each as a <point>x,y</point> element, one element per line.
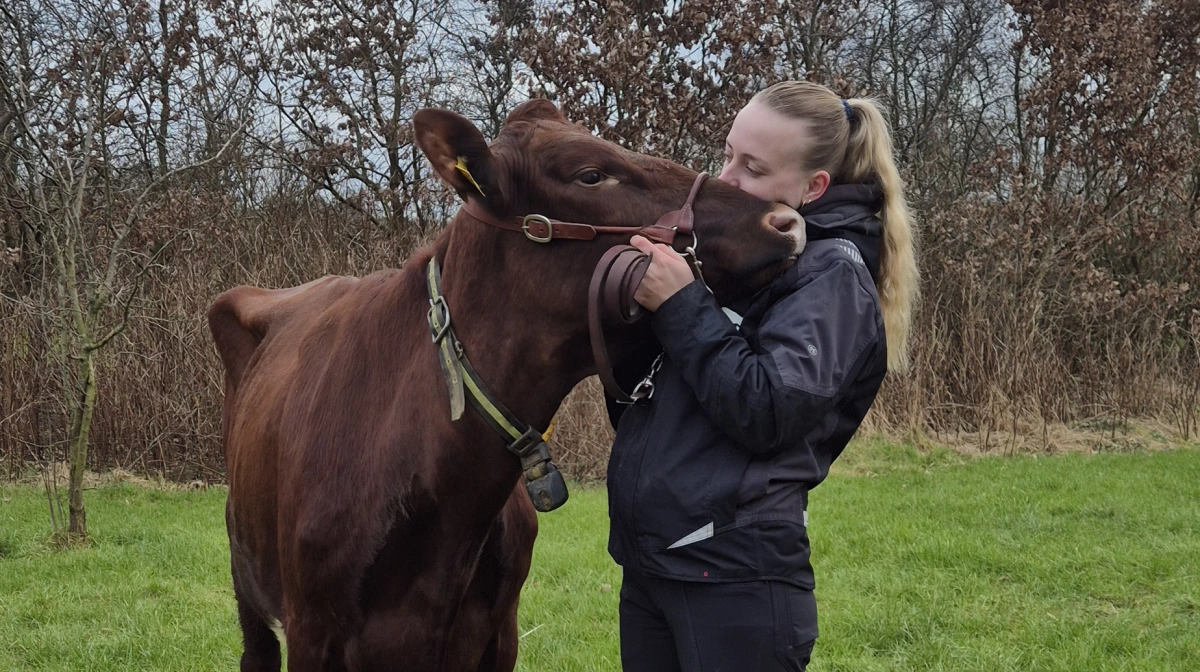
<point>856,148</point>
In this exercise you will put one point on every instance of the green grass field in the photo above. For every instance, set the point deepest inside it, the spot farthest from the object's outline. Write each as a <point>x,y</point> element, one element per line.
<point>925,561</point>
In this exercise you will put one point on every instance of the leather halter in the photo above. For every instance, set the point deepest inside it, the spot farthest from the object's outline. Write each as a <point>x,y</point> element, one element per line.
<point>542,229</point>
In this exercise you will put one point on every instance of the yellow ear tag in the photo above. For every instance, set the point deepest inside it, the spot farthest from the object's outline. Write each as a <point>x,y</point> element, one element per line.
<point>462,168</point>
<point>549,430</point>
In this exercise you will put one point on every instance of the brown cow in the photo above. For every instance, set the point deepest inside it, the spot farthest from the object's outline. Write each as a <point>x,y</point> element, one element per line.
<point>365,525</point>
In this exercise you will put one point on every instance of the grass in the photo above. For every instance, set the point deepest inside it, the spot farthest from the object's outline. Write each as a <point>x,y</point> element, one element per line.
<point>150,592</point>
<point>925,561</point>
<point>1074,562</point>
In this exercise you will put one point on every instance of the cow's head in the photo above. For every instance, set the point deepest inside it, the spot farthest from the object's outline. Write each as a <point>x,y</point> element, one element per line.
<point>541,163</point>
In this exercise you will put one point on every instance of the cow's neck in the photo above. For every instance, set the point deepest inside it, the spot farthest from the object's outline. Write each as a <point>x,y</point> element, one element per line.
<point>508,315</point>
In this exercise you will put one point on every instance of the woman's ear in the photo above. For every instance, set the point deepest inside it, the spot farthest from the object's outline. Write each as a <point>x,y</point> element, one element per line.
<point>817,184</point>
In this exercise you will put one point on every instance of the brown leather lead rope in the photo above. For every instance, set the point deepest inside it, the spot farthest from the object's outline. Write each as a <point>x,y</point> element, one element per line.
<point>610,294</point>
<point>610,301</point>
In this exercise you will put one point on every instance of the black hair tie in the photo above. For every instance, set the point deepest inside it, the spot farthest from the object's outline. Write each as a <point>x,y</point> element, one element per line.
<point>849,110</point>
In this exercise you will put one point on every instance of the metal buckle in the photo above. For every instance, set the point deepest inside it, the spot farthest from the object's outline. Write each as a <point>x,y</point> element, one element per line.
<point>643,390</point>
<point>439,332</point>
<point>529,444</point>
<point>693,258</point>
<point>538,218</point>
<point>645,387</point>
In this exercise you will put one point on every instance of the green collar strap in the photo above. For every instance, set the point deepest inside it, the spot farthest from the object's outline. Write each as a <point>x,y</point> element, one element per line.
<point>542,479</point>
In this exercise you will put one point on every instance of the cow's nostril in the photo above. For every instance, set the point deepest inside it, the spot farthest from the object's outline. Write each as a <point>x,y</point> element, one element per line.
<point>784,219</point>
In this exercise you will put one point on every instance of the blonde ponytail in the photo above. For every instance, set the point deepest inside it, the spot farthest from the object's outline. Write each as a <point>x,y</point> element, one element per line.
<point>857,147</point>
<point>869,155</point>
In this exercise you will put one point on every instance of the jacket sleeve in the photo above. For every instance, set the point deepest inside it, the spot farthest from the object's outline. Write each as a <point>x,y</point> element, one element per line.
<point>812,345</point>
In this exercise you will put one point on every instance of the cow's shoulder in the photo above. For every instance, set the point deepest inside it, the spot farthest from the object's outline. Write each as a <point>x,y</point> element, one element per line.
<point>241,318</point>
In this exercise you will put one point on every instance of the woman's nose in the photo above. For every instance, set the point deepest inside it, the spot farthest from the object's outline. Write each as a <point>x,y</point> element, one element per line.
<point>727,177</point>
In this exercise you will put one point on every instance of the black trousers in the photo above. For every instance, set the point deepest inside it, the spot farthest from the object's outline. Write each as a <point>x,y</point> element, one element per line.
<point>685,626</point>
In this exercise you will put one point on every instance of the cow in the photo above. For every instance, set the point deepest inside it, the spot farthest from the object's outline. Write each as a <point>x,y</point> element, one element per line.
<point>368,530</point>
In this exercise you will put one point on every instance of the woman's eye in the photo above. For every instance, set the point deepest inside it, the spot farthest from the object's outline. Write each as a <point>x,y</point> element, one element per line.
<point>591,177</point>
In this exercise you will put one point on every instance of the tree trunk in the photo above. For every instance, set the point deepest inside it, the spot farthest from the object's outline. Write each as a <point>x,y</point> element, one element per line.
<point>77,455</point>
<point>164,88</point>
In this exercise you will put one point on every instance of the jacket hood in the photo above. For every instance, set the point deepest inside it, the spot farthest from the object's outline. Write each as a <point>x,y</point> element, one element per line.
<point>849,211</point>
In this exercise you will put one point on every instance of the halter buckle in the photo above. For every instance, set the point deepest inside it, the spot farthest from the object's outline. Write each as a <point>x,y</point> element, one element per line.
<point>541,219</point>
<point>439,326</point>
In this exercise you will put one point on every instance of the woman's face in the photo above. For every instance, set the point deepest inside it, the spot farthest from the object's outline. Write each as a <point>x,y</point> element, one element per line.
<point>762,157</point>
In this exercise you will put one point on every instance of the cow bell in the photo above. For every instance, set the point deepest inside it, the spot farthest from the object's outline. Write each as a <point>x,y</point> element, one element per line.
<point>544,484</point>
<point>547,491</point>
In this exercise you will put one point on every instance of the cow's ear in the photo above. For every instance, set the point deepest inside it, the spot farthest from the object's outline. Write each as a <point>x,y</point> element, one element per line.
<point>458,153</point>
<point>533,110</point>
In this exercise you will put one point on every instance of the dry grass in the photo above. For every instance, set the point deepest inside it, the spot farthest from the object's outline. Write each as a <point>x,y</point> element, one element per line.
<point>583,434</point>
<point>59,472</point>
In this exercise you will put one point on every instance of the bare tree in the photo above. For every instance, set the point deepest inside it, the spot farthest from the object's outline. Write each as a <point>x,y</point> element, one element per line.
<point>68,153</point>
<point>1052,153</point>
<point>661,77</point>
<point>348,79</point>
<point>486,58</point>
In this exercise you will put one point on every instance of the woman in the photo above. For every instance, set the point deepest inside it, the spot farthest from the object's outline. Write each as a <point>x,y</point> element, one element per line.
<point>709,479</point>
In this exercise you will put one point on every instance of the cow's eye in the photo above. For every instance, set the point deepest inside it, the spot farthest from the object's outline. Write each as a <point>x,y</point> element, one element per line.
<point>590,178</point>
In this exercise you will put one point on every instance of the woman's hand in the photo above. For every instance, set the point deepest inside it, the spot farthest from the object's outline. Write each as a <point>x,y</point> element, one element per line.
<point>668,273</point>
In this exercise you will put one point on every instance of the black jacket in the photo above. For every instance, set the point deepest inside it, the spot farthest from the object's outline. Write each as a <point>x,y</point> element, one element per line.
<point>709,479</point>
